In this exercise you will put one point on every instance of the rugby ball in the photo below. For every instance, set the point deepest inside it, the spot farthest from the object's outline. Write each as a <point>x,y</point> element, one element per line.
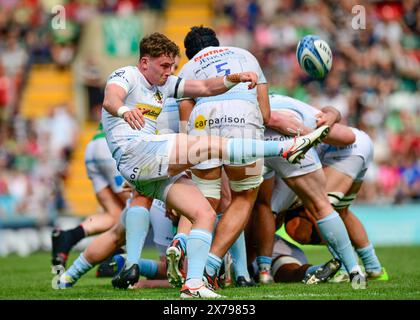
<point>314,56</point>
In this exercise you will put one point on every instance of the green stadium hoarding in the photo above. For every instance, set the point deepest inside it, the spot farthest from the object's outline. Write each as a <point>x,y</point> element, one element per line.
<point>121,35</point>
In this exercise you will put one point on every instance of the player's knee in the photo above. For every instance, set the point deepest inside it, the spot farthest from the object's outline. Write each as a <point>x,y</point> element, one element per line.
<point>249,183</point>
<point>204,213</point>
<point>320,207</point>
<point>209,188</point>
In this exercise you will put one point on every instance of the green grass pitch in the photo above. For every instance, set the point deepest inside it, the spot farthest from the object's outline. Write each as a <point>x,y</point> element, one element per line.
<point>30,278</point>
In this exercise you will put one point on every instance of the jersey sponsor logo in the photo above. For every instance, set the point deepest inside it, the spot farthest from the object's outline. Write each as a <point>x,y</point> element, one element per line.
<point>118,74</point>
<point>158,97</point>
<point>277,138</point>
<point>209,53</point>
<point>200,122</point>
<point>153,111</point>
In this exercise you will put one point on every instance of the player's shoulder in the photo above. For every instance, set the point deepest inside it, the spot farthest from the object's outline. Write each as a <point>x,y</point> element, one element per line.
<point>241,51</point>
<point>123,72</point>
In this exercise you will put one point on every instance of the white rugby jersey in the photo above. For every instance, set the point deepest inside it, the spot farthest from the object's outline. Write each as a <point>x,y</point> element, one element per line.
<point>219,62</point>
<point>140,94</point>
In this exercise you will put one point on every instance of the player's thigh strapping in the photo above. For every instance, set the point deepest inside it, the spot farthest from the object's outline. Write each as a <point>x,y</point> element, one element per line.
<point>352,160</point>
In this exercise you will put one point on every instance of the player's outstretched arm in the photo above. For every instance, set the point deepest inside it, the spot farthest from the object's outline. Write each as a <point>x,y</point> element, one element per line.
<point>215,86</point>
<point>340,136</point>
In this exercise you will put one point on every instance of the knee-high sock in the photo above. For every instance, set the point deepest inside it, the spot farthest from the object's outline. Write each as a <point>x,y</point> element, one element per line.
<point>148,268</point>
<point>213,264</point>
<point>79,267</point>
<point>369,258</point>
<point>264,263</point>
<point>239,150</point>
<point>137,222</point>
<point>334,232</point>
<point>335,255</point>
<point>198,247</point>
<point>238,252</point>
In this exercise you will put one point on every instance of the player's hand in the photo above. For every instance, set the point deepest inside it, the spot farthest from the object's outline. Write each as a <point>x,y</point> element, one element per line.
<point>135,118</point>
<point>328,116</point>
<point>249,77</point>
<point>325,118</point>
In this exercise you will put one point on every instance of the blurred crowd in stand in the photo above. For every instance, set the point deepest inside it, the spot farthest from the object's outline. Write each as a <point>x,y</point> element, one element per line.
<point>373,82</point>
<point>35,153</point>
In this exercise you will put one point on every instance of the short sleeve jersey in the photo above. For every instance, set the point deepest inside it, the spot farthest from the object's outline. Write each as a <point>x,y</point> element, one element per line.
<point>140,94</point>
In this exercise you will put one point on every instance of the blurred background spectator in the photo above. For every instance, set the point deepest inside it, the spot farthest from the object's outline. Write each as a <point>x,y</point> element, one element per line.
<point>373,82</point>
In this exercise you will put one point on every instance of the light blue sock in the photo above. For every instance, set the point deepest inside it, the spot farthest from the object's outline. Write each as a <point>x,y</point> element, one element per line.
<point>238,252</point>
<point>240,150</point>
<point>334,232</point>
<point>213,264</point>
<point>312,269</point>
<point>137,222</point>
<point>369,258</point>
<point>79,267</point>
<point>182,237</point>
<point>335,255</point>
<point>148,268</point>
<point>198,247</point>
<point>264,262</point>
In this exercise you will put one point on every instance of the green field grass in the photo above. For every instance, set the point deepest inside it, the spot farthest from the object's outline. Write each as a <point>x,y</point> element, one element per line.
<point>30,278</point>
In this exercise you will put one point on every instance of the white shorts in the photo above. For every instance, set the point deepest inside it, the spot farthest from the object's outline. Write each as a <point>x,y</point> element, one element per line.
<point>101,167</point>
<point>227,118</point>
<point>163,231</point>
<point>145,165</point>
<point>282,197</point>
<point>281,167</point>
<point>352,160</point>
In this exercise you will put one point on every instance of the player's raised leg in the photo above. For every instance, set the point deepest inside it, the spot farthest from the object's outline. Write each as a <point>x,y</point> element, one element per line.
<point>189,151</point>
